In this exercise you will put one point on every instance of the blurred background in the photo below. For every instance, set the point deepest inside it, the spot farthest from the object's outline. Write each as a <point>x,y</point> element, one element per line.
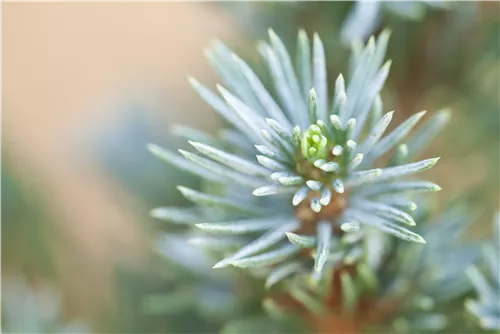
<point>87,85</point>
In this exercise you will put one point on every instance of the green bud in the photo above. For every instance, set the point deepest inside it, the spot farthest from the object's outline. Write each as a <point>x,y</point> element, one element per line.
<point>314,144</point>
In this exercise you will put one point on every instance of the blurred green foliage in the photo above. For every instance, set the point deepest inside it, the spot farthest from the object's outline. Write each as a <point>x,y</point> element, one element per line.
<point>26,233</point>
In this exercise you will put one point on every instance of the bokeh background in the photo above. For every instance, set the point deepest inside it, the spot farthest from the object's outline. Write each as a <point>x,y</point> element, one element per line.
<point>87,85</point>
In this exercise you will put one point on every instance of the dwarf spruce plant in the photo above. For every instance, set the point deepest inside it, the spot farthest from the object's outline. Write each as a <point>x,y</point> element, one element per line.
<point>308,190</point>
<point>301,164</point>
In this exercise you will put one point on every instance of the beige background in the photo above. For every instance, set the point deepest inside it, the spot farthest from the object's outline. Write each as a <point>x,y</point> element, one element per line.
<point>63,63</point>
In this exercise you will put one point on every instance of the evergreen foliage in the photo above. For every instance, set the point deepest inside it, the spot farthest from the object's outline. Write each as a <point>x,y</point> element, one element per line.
<point>309,192</point>
<point>318,159</point>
